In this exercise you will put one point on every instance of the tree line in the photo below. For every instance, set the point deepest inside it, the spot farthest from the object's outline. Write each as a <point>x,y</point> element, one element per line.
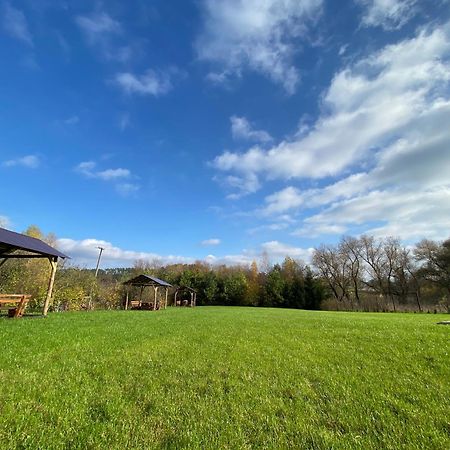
<point>372,274</point>
<point>356,274</point>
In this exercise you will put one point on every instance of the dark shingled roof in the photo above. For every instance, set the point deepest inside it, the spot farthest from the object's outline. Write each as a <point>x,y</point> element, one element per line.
<point>11,241</point>
<point>147,280</point>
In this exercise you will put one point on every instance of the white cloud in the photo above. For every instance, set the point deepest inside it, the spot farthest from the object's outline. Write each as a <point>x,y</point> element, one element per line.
<point>255,34</point>
<point>112,174</point>
<point>388,14</point>
<point>5,222</point>
<point>150,83</point>
<point>86,252</point>
<point>87,168</point>
<point>242,129</point>
<point>119,177</point>
<point>383,136</point>
<point>15,24</point>
<point>404,213</point>
<point>210,242</point>
<point>379,99</point>
<point>412,172</point>
<point>278,250</point>
<point>284,200</point>
<point>29,161</point>
<point>365,108</point>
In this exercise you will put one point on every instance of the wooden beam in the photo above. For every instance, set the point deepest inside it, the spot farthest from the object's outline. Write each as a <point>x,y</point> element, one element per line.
<point>140,296</point>
<point>126,303</point>
<point>6,256</point>
<point>54,264</point>
<point>167,293</point>
<point>156,292</point>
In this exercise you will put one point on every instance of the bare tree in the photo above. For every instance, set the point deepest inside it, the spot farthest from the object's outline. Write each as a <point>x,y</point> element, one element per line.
<point>349,248</point>
<point>333,267</point>
<point>371,252</point>
<point>435,258</point>
<point>410,272</point>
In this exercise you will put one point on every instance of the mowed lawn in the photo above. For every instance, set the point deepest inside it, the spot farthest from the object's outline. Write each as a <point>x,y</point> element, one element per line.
<point>217,377</point>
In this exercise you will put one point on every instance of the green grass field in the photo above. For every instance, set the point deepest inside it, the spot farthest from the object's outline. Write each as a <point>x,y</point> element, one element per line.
<point>216,377</point>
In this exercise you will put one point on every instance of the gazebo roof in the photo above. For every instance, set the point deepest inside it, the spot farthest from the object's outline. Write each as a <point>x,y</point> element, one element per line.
<point>147,280</point>
<point>180,288</point>
<point>11,241</point>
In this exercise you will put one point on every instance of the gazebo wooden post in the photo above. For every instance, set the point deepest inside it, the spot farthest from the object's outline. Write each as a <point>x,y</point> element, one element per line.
<point>167,293</point>
<point>126,303</point>
<point>175,298</point>
<point>54,264</point>
<point>156,293</point>
<point>195,298</point>
<point>192,299</point>
<point>140,296</point>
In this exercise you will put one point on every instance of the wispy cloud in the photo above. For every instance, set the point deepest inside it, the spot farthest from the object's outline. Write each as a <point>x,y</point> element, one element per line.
<point>88,169</point>
<point>106,35</point>
<point>28,161</point>
<point>260,36</point>
<point>241,128</point>
<point>15,24</point>
<point>120,177</point>
<point>151,82</point>
<point>127,189</point>
<point>388,14</point>
<point>241,185</point>
<point>124,121</point>
<point>96,25</point>
<point>72,120</point>
<point>210,242</point>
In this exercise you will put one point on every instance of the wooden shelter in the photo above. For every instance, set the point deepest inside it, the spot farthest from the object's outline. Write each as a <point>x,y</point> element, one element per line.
<point>16,245</point>
<point>143,281</point>
<point>193,296</point>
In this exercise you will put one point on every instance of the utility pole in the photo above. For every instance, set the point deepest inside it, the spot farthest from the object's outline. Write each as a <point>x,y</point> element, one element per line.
<point>95,276</point>
<point>98,260</point>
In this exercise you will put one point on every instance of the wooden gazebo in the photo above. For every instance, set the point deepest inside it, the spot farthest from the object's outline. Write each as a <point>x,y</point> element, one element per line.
<point>193,296</point>
<point>16,245</point>
<point>143,281</point>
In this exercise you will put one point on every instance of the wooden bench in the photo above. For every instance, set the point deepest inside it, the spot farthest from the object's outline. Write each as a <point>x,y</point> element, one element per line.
<point>21,300</point>
<point>135,304</point>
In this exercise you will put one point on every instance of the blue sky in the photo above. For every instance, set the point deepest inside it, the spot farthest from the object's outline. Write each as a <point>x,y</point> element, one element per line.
<point>216,130</point>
